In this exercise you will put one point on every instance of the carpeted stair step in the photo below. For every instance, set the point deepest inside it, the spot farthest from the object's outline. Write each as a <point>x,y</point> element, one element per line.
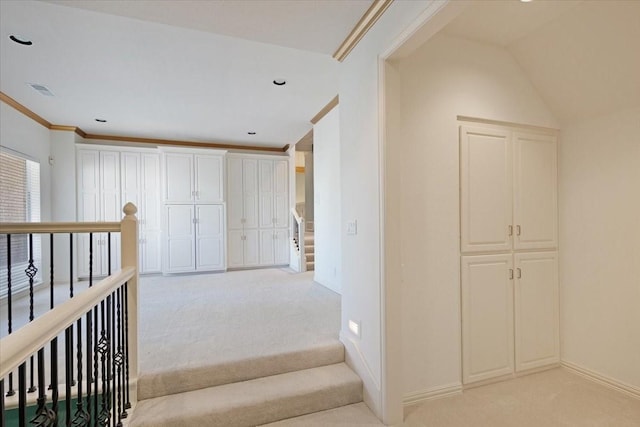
<point>179,380</point>
<point>309,249</point>
<point>310,257</point>
<point>311,266</point>
<point>254,402</point>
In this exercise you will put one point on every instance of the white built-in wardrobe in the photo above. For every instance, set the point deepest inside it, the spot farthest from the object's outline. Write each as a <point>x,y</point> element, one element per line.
<point>107,179</point>
<point>509,243</point>
<point>258,210</point>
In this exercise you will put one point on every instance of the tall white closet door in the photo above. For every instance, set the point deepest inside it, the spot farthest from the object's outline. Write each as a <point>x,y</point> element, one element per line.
<point>267,238</point>
<point>180,229</point>
<point>250,192</point>
<point>209,237</point>
<point>281,246</point>
<point>486,189</point>
<point>281,193</point>
<point>178,176</point>
<point>536,197</point>
<point>235,194</point>
<point>150,253</point>
<point>267,214</point>
<point>209,179</point>
<point>111,209</point>
<point>487,317</point>
<point>235,254</point>
<point>251,248</point>
<point>536,310</point>
<point>150,184</point>
<point>130,168</point>
<point>88,173</point>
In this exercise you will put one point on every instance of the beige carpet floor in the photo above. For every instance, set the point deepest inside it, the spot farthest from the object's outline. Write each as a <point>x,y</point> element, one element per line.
<point>191,320</point>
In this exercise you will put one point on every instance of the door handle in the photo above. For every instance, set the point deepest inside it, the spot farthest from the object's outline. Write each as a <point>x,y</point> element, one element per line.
<point>511,274</point>
<point>519,273</point>
<point>518,230</point>
<point>511,230</point>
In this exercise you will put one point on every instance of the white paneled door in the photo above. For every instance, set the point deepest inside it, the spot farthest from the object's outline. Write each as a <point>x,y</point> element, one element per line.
<point>485,189</point>
<point>178,178</point>
<point>487,316</point>
<point>536,310</point>
<point>180,231</point>
<point>209,220</point>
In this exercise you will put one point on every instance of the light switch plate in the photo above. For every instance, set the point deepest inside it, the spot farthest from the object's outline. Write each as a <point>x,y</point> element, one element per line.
<point>352,227</point>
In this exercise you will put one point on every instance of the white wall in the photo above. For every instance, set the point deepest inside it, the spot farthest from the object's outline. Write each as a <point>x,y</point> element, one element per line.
<point>360,175</point>
<point>444,78</point>
<point>600,240</point>
<point>326,158</point>
<point>22,134</point>
<point>299,187</point>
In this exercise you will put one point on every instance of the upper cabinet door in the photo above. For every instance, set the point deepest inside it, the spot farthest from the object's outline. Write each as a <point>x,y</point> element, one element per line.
<point>250,193</point>
<point>267,215</point>
<point>151,192</point>
<point>209,179</point>
<point>110,186</point>
<point>234,194</point>
<point>178,178</point>
<point>130,178</point>
<point>485,189</point>
<point>281,193</point>
<point>536,197</point>
<point>88,185</point>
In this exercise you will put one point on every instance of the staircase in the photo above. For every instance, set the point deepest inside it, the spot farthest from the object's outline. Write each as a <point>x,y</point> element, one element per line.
<point>309,250</point>
<point>249,392</point>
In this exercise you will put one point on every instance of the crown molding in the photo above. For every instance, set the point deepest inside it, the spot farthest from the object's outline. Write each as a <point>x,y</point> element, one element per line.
<point>325,110</point>
<point>119,138</point>
<point>370,17</point>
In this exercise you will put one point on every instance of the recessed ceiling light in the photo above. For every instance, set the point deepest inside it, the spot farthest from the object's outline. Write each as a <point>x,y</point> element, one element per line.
<point>42,89</point>
<point>20,40</point>
<point>101,120</point>
<point>526,1</point>
<point>279,82</point>
<point>251,133</point>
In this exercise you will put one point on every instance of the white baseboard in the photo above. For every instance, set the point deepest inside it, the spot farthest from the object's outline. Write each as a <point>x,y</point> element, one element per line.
<point>439,392</point>
<point>603,379</point>
<point>356,361</point>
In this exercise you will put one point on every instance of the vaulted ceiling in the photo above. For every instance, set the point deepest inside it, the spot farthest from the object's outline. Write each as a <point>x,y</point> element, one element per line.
<point>187,70</point>
<point>583,57</point>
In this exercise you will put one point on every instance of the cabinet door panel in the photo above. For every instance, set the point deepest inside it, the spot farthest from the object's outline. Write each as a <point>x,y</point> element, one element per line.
<point>208,179</point>
<point>251,248</point>
<point>209,237</point>
<point>536,310</point>
<point>281,193</point>
<point>485,189</point>
<point>250,192</point>
<point>88,185</point>
<point>234,194</point>
<point>130,170</point>
<point>267,215</point>
<point>267,241</point>
<point>178,178</point>
<point>536,199</point>
<point>487,317</point>
<point>235,247</point>
<point>281,247</point>
<point>150,185</point>
<point>150,253</point>
<point>180,238</point>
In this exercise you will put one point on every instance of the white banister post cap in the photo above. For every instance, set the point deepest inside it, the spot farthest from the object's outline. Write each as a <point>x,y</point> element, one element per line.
<point>130,209</point>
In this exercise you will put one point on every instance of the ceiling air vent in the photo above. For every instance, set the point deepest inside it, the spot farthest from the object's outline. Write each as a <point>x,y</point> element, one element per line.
<point>43,90</point>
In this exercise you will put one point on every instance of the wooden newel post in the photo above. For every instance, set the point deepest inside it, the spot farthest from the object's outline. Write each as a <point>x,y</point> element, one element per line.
<point>129,238</point>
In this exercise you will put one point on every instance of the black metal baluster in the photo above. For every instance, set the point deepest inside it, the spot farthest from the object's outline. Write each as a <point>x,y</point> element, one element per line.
<point>81,417</point>
<point>70,367</point>
<point>89,361</point>
<point>44,417</point>
<point>96,372</point>
<point>119,356</point>
<point>68,363</point>
<point>54,378</point>
<point>104,348</point>
<point>126,344</point>
<point>31,271</point>
<point>11,391</point>
<point>3,422</point>
<point>22,395</point>
<point>109,253</point>
<point>114,388</point>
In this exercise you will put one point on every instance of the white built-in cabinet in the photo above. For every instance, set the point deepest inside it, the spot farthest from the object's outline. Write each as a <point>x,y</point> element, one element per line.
<point>194,211</point>
<point>508,242</point>
<point>107,179</point>
<point>98,180</point>
<point>258,210</point>
<point>140,173</point>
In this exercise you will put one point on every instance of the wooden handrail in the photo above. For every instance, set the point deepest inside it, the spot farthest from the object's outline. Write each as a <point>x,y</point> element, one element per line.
<point>58,227</point>
<point>17,347</point>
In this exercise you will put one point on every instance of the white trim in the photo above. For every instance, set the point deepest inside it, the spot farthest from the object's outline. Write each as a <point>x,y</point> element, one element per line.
<point>258,156</point>
<point>439,392</point>
<point>604,380</point>
<point>363,370</point>
<point>118,148</point>
<point>192,150</point>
